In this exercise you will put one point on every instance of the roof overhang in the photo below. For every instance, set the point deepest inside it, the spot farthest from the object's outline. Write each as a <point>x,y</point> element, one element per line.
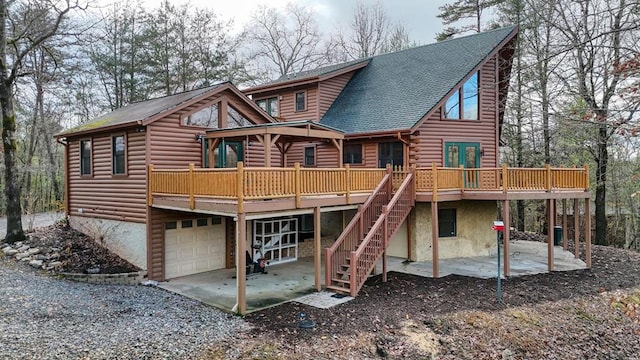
<point>294,131</point>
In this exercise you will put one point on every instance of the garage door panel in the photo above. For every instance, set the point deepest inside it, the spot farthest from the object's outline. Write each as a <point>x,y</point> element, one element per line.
<point>194,249</point>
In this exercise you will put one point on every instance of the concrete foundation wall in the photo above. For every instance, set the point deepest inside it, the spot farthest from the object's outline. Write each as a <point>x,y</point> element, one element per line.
<point>398,243</point>
<point>474,235</point>
<point>127,239</point>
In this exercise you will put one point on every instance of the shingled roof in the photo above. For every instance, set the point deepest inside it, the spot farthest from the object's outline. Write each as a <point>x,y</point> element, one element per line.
<point>140,111</point>
<point>394,91</point>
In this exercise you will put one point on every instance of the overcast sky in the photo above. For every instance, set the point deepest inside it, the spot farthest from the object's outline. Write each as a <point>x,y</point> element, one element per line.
<point>417,16</point>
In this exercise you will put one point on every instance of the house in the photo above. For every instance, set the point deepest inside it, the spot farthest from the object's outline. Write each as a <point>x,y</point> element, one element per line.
<point>392,155</point>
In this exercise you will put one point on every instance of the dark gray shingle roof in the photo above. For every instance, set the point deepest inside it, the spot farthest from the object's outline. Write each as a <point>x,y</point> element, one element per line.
<point>325,70</point>
<point>139,111</point>
<point>394,91</point>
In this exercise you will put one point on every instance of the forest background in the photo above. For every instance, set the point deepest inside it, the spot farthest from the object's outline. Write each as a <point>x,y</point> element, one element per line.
<point>573,100</point>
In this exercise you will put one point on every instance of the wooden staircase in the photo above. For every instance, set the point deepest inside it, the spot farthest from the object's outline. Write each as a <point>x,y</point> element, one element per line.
<point>350,260</point>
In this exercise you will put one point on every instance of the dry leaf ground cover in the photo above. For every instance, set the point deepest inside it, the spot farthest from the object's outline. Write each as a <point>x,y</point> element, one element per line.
<point>586,314</point>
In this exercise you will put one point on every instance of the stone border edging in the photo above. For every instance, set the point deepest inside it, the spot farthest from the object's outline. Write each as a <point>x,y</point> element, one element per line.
<point>131,278</point>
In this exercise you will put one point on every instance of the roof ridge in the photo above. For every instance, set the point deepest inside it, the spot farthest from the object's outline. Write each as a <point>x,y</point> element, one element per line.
<point>210,87</point>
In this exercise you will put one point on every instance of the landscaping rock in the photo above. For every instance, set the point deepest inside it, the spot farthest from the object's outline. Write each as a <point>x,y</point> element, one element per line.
<point>36,263</point>
<point>53,256</point>
<point>23,248</point>
<point>33,251</point>
<point>55,264</point>
<point>11,252</point>
<point>21,255</point>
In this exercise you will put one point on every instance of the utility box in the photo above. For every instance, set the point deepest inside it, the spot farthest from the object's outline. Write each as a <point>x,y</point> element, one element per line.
<point>557,235</point>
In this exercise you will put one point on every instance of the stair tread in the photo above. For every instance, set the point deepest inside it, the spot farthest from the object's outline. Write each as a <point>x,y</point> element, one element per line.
<point>339,289</point>
<point>340,281</point>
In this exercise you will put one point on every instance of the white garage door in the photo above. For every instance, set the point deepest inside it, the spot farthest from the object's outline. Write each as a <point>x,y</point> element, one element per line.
<point>193,246</point>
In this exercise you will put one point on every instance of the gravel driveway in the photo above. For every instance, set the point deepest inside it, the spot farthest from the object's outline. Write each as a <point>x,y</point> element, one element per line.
<point>47,318</point>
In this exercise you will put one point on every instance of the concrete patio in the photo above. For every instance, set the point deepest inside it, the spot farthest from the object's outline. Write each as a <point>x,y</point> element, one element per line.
<point>294,280</point>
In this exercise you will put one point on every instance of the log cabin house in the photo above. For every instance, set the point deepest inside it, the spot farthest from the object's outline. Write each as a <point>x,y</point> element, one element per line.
<point>392,155</point>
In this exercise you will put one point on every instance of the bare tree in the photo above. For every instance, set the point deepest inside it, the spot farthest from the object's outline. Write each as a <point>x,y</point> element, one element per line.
<point>398,39</point>
<point>23,27</point>
<point>368,32</point>
<point>598,34</point>
<point>286,41</point>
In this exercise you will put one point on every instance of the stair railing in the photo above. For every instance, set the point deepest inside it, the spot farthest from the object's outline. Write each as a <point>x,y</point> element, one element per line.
<point>363,260</point>
<point>337,254</point>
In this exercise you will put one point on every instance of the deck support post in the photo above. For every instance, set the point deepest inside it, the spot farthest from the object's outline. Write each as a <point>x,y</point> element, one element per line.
<point>192,200</point>
<point>587,233</point>
<point>266,142</point>
<point>434,220</point>
<point>241,270</point>
<point>434,237</point>
<point>317,248</point>
<point>576,228</point>
<point>150,187</point>
<point>565,241</point>
<point>551,217</point>
<point>505,236</point>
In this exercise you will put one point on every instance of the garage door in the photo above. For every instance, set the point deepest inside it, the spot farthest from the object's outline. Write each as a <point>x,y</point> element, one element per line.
<point>193,246</point>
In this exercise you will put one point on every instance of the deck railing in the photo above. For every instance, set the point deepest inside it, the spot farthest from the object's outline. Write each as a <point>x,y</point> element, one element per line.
<point>268,183</point>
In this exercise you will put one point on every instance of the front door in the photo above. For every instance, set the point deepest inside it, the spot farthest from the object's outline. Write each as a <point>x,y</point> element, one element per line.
<point>464,154</point>
<point>227,154</point>
<point>390,153</point>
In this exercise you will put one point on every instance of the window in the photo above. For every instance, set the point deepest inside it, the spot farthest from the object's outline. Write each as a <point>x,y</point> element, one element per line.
<point>216,220</point>
<point>171,225</point>
<point>310,156</point>
<point>352,154</point>
<point>118,154</point>
<point>202,222</point>
<point>301,104</point>
<point>187,224</point>
<point>447,222</point>
<point>390,153</point>
<point>207,117</point>
<point>85,157</point>
<point>269,105</point>
<point>463,104</point>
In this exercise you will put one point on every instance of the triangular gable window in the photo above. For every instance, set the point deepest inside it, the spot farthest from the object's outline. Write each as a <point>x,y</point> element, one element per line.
<point>463,104</point>
<point>208,117</point>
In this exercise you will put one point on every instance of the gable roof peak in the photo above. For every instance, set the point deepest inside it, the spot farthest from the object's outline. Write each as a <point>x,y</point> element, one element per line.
<point>396,90</point>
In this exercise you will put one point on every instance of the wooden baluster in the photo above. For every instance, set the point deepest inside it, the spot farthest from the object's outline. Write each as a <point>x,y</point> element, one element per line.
<point>297,183</point>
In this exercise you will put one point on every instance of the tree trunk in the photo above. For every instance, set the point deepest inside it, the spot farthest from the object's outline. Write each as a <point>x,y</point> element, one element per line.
<point>601,186</point>
<point>12,183</point>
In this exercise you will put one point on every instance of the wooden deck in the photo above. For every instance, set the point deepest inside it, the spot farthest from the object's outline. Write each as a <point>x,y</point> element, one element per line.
<point>254,190</point>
